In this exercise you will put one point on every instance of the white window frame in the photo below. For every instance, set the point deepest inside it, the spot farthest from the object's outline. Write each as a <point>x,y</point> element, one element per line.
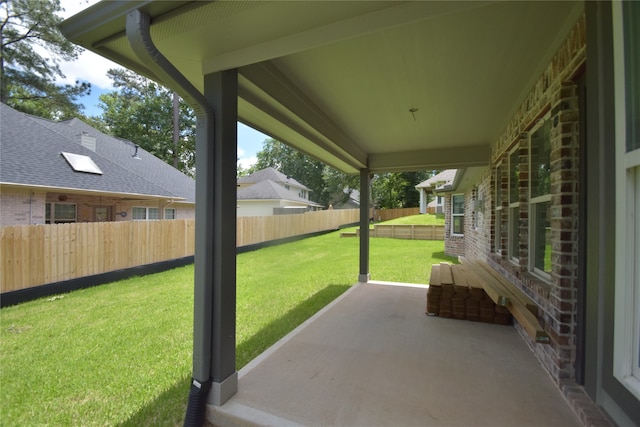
<point>626,349</point>
<point>534,203</point>
<point>513,252</point>
<point>52,211</point>
<point>453,215</point>
<point>497,226</point>
<point>173,216</point>
<point>147,210</point>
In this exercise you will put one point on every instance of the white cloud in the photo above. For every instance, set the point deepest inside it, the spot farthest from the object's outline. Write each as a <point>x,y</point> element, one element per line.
<point>89,67</point>
<point>241,152</point>
<point>247,162</point>
<point>71,7</point>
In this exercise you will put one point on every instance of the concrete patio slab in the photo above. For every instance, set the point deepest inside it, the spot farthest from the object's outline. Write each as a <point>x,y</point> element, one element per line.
<point>373,358</point>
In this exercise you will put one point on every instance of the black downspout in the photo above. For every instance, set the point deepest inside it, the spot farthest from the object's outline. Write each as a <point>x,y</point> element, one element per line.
<point>138,32</point>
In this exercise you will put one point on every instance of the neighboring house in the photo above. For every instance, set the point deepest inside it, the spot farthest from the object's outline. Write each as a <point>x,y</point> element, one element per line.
<point>353,201</point>
<point>269,192</point>
<point>436,182</point>
<point>57,172</point>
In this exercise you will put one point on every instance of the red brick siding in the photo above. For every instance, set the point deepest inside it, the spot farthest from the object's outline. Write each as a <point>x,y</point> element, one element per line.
<point>554,94</point>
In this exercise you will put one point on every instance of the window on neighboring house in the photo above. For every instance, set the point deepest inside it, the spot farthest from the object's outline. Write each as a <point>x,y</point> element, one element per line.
<point>626,367</point>
<point>513,249</point>
<point>498,210</point>
<point>287,186</point>
<point>439,202</point>
<point>144,213</point>
<point>62,213</point>
<point>540,200</point>
<point>170,213</point>
<point>457,214</point>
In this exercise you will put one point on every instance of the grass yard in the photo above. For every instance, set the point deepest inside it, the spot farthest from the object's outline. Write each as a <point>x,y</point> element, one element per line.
<point>120,354</point>
<point>424,219</point>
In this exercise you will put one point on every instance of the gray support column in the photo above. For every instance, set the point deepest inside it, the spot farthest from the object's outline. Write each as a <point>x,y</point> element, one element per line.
<point>203,267</point>
<point>221,90</point>
<point>364,225</point>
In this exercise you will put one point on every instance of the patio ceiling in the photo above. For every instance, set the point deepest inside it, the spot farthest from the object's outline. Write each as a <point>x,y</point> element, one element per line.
<point>388,86</point>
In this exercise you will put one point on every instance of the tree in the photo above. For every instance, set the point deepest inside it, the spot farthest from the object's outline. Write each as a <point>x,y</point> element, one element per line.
<point>339,185</point>
<point>397,190</point>
<point>330,186</point>
<point>296,164</point>
<point>28,77</point>
<point>141,111</point>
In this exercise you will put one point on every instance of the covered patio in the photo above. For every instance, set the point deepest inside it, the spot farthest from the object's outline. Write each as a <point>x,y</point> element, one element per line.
<point>372,357</point>
<point>385,86</point>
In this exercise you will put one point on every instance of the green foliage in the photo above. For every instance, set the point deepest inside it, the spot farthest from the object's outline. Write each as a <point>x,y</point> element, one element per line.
<point>397,190</point>
<point>339,186</point>
<point>326,183</point>
<point>27,77</point>
<point>141,111</point>
<point>330,186</point>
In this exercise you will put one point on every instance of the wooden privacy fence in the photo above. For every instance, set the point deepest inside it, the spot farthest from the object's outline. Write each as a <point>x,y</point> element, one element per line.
<point>403,231</point>
<point>258,229</point>
<point>34,255</point>
<point>406,231</point>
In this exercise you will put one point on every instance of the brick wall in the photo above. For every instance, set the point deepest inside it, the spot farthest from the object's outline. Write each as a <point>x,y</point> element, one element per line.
<point>553,98</point>
<point>24,207</point>
<point>478,203</point>
<point>21,207</point>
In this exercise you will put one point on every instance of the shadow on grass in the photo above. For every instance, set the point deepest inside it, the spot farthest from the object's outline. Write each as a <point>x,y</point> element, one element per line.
<point>278,328</point>
<point>169,408</point>
<point>441,256</point>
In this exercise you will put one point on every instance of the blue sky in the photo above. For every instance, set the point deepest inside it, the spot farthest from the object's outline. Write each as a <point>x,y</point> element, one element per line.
<point>93,69</point>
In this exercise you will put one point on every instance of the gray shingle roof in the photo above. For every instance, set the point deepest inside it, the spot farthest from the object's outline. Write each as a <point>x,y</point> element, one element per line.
<point>30,150</point>
<point>273,175</point>
<point>439,180</point>
<point>270,190</point>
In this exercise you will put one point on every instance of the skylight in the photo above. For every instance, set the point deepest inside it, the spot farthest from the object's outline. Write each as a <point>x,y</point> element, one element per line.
<point>80,163</point>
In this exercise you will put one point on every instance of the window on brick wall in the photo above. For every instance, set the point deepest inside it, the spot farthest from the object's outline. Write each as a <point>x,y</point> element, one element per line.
<point>540,200</point>
<point>627,285</point>
<point>144,213</point>
<point>498,210</point>
<point>513,249</point>
<point>457,214</point>
<point>59,213</point>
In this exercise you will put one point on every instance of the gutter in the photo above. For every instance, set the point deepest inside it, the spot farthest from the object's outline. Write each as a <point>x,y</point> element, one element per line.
<point>138,26</point>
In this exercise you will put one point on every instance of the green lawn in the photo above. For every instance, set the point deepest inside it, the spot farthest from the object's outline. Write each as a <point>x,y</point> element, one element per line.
<point>426,219</point>
<point>120,354</point>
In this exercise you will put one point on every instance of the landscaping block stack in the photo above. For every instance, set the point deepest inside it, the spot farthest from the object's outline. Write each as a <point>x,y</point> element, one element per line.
<point>453,292</point>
